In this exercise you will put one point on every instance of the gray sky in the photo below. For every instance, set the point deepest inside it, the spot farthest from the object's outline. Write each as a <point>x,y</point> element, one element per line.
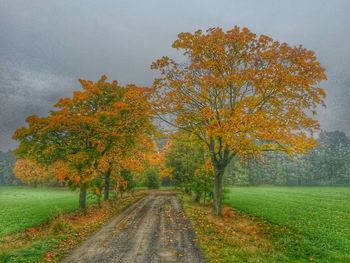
<point>45,46</point>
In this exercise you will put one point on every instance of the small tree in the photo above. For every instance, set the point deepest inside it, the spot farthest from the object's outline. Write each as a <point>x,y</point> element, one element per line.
<point>183,157</point>
<point>202,184</point>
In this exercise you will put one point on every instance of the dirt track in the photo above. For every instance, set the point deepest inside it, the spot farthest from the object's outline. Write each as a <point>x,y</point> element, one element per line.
<point>152,230</point>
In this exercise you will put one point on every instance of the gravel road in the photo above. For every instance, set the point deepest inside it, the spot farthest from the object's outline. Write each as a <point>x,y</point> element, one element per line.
<point>152,230</point>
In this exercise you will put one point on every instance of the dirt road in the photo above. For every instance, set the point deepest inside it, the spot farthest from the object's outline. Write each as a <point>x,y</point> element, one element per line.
<point>152,230</point>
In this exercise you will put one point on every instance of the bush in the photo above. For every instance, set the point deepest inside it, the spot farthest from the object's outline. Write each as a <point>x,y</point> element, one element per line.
<point>202,185</point>
<point>128,176</point>
<point>152,179</point>
<point>59,225</point>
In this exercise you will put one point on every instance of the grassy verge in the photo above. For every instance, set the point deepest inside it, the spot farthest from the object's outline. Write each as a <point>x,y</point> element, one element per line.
<point>51,241</point>
<point>233,238</point>
<point>23,207</point>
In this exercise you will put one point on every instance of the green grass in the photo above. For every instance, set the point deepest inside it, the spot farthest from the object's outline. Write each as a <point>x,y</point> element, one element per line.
<point>22,207</point>
<point>311,223</point>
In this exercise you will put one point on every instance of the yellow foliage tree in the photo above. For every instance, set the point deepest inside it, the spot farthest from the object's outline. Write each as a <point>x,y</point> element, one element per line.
<point>240,94</point>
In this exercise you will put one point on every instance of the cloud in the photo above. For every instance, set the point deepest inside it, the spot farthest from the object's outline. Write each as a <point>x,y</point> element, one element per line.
<point>27,92</point>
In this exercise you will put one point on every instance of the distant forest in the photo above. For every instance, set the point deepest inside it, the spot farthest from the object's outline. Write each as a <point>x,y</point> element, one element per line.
<point>7,161</point>
<point>327,164</point>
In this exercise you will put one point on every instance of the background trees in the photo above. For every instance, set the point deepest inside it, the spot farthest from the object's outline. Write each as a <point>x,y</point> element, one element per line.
<point>6,163</point>
<point>326,164</point>
<point>334,149</point>
<point>240,94</point>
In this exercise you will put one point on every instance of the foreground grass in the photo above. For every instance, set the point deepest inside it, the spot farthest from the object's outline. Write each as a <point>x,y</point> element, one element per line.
<point>51,241</point>
<point>309,223</point>
<point>22,207</point>
<point>232,238</point>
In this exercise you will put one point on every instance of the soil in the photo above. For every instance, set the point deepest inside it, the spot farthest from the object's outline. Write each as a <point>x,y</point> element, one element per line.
<point>154,229</point>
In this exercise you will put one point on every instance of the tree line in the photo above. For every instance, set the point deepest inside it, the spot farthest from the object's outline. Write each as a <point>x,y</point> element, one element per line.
<point>7,161</point>
<point>326,164</point>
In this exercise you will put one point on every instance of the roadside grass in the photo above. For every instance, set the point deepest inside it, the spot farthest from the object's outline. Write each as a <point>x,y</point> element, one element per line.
<point>308,223</point>
<point>233,238</point>
<point>23,207</point>
<point>49,242</point>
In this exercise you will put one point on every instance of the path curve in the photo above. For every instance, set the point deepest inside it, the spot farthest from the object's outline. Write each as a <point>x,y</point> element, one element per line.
<point>152,230</point>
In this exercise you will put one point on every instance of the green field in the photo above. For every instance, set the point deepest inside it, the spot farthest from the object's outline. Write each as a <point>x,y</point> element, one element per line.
<point>311,223</point>
<point>22,207</point>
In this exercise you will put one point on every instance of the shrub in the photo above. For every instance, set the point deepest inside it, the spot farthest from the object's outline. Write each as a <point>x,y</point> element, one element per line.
<point>152,179</point>
<point>59,225</point>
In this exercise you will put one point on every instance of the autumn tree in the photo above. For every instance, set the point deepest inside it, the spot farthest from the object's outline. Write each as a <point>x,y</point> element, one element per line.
<point>153,166</point>
<point>60,140</point>
<point>240,94</point>
<point>125,128</point>
<point>80,136</point>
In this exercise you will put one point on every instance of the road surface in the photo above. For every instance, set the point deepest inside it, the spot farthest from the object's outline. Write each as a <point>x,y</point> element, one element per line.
<point>152,230</point>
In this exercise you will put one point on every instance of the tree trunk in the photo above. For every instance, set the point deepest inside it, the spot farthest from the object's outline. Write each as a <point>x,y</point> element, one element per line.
<point>82,196</point>
<point>107,185</point>
<point>219,160</point>
<point>197,197</point>
<point>218,192</point>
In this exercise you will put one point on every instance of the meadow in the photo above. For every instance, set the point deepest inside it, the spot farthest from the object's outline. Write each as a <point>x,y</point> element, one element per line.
<point>23,207</point>
<point>310,223</point>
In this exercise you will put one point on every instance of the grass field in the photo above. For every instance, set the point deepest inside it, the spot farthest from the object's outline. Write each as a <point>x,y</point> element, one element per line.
<point>22,207</point>
<point>311,223</point>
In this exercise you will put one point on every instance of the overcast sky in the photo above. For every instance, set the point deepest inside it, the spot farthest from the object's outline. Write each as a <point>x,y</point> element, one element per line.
<point>45,46</point>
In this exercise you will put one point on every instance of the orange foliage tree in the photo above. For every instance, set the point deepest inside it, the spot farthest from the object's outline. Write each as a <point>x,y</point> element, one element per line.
<point>240,94</point>
<point>94,123</point>
<point>30,171</point>
<point>125,157</point>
